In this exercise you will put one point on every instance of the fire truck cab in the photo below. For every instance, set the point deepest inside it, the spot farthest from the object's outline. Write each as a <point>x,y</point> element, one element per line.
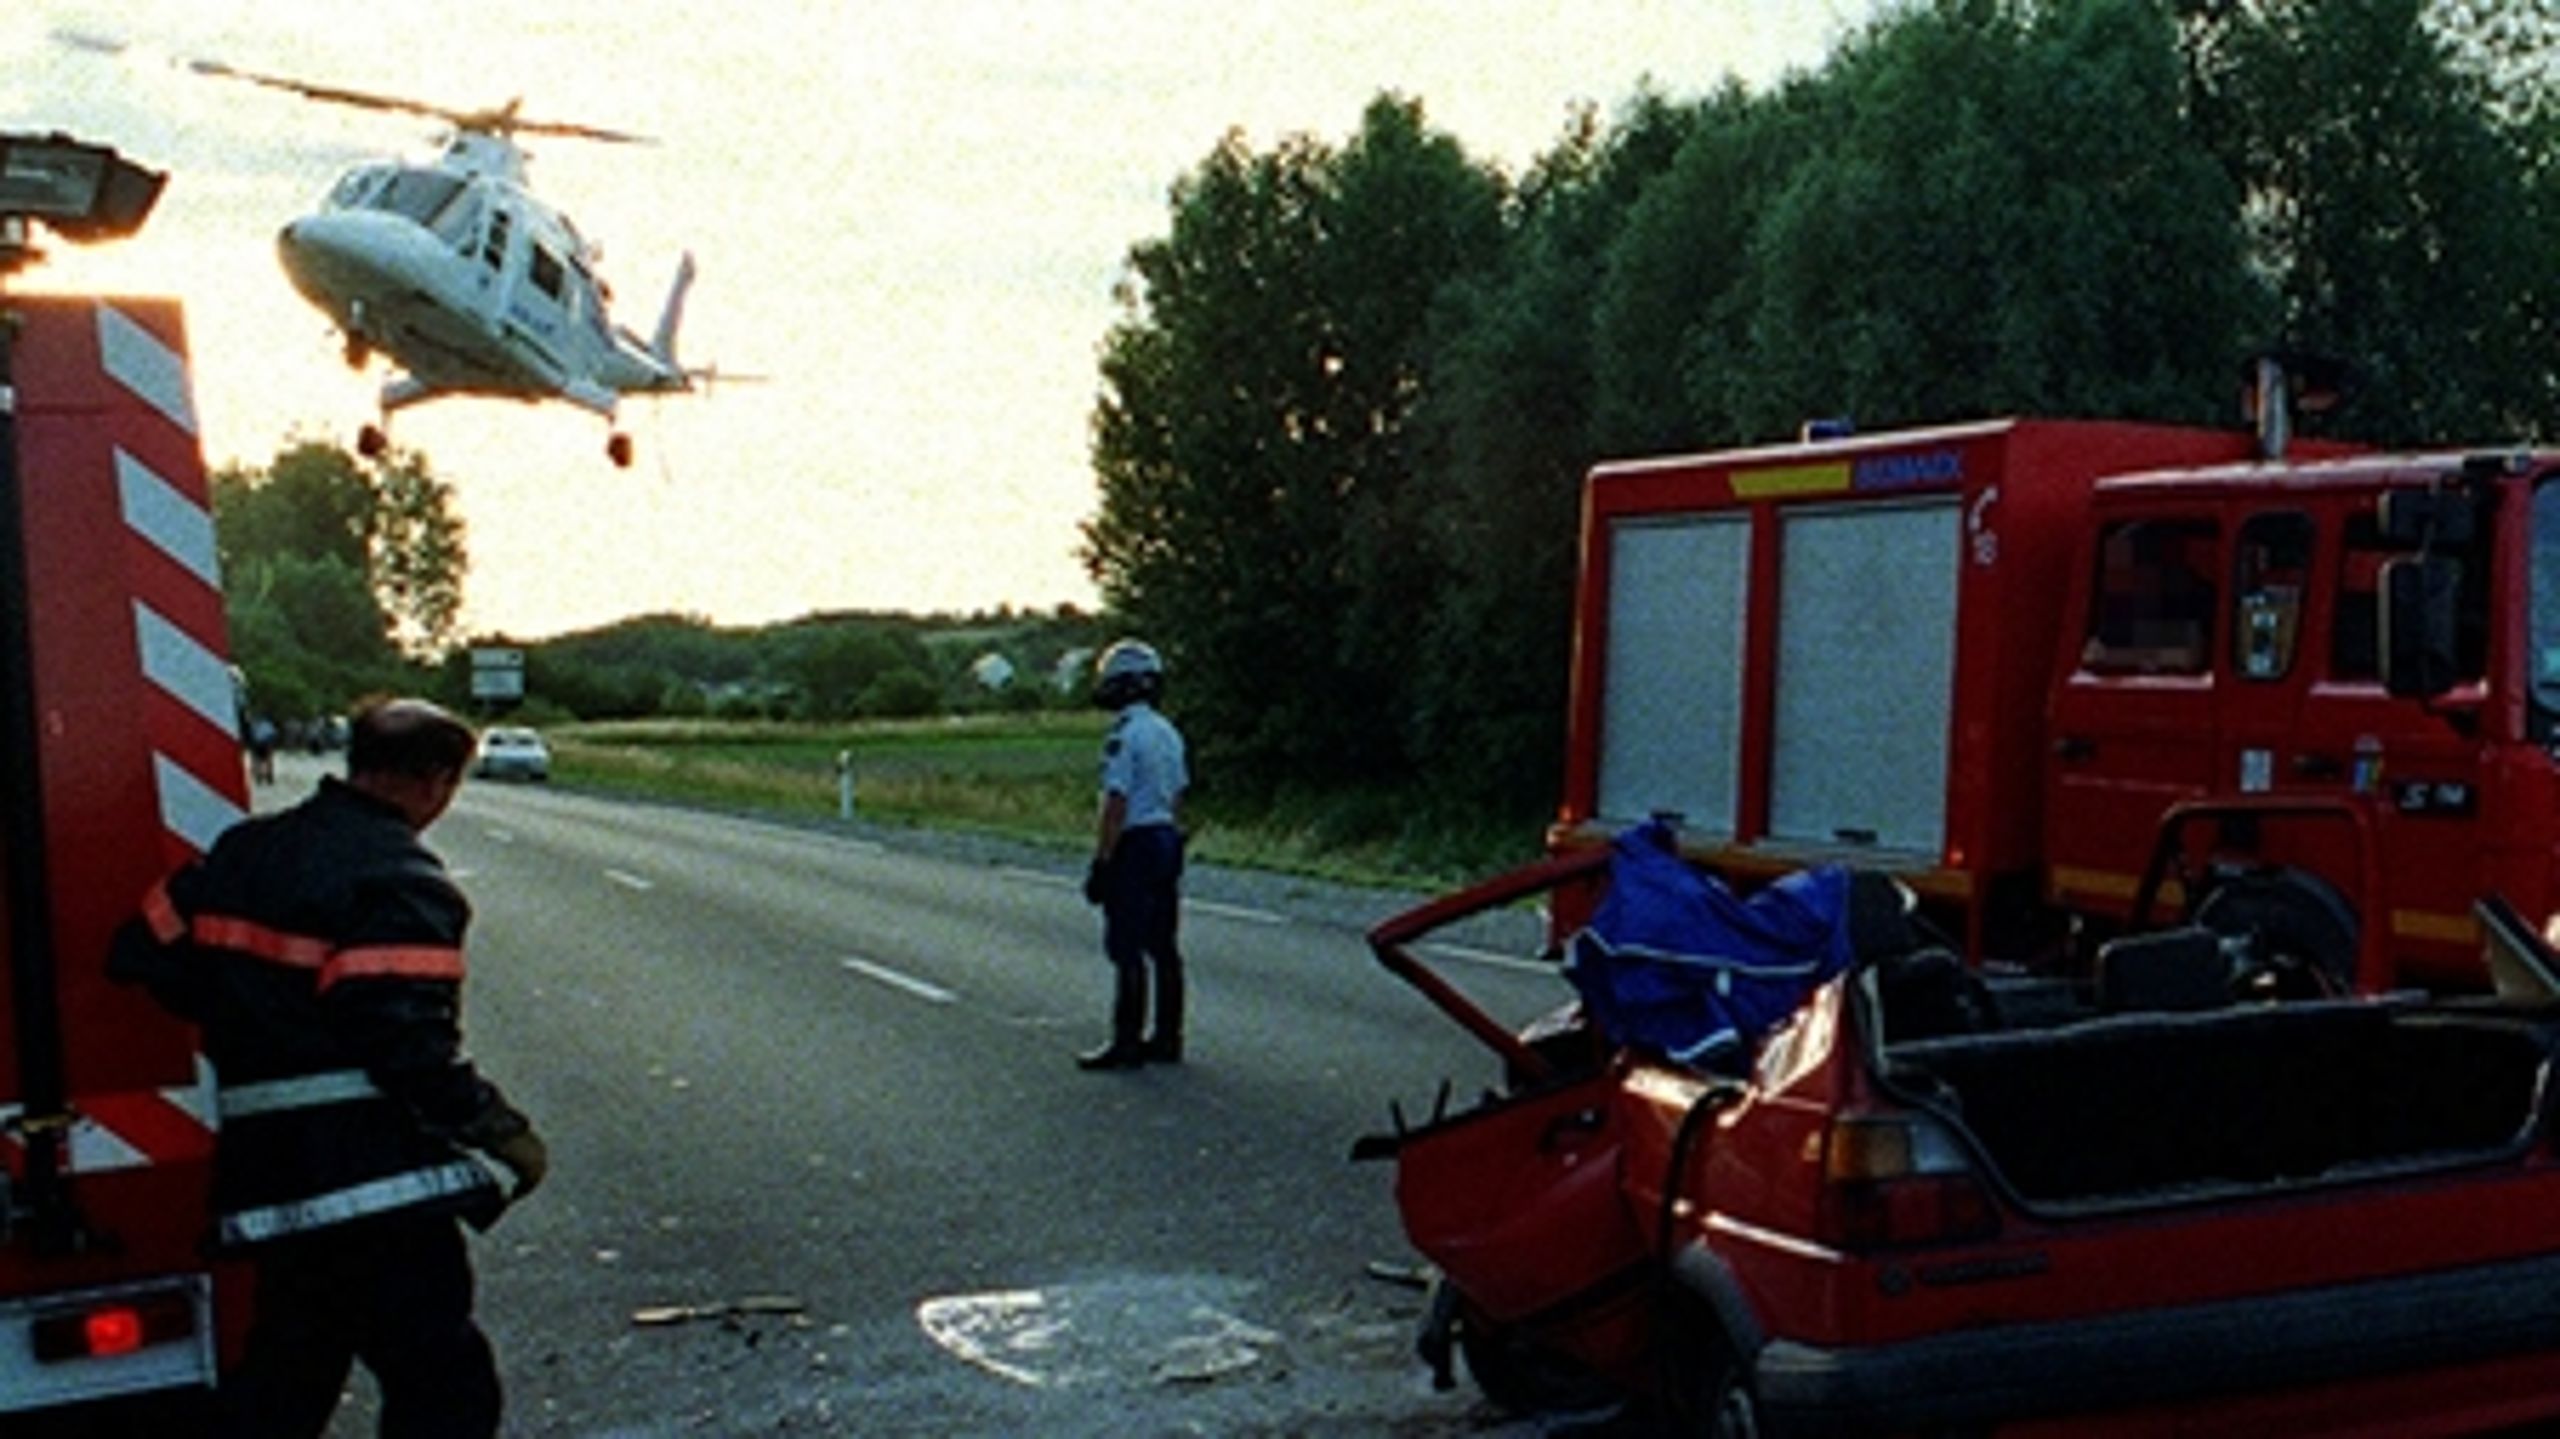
<point>2346,659</point>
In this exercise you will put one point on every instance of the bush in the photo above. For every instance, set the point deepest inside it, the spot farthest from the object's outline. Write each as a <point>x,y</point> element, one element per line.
<point>901,693</point>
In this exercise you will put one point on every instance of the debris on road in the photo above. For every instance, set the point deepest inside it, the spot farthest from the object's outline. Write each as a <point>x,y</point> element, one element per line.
<point>661,1316</point>
<point>1403,1276</point>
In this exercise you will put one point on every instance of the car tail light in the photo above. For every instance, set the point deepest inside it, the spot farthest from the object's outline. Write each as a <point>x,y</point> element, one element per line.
<point>109,1329</point>
<point>1891,1180</point>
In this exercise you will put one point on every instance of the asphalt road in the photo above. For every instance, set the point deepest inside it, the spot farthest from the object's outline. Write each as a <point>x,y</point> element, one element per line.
<point>822,1163</point>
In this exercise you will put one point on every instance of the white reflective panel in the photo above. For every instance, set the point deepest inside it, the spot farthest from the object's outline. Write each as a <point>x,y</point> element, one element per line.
<point>1866,675</point>
<point>1671,701</point>
<point>175,525</point>
<point>136,359</point>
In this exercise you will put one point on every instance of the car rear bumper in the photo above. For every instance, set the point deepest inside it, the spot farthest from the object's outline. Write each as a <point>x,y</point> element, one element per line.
<point>2304,1338</point>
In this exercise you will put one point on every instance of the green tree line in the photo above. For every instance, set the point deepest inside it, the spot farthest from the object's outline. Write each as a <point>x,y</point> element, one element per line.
<point>820,667</point>
<point>1344,414</point>
<point>345,578</point>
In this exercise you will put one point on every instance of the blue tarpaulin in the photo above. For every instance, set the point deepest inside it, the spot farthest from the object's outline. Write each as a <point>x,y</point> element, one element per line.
<point>1673,961</point>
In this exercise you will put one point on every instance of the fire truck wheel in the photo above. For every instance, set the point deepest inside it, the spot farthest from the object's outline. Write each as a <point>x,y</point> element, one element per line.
<point>2300,933</point>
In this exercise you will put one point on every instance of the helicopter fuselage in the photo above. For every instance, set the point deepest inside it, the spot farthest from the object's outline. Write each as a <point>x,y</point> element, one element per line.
<point>471,286</point>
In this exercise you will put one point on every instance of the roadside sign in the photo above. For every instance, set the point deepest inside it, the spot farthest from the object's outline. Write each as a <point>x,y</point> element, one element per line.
<point>497,673</point>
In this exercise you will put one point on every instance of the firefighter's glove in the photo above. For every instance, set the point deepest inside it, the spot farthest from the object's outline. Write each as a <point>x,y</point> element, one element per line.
<point>505,1135</point>
<point>526,1157</point>
<point>1097,880</point>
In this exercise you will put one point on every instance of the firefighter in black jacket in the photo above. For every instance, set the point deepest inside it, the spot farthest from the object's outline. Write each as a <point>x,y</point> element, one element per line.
<point>320,949</point>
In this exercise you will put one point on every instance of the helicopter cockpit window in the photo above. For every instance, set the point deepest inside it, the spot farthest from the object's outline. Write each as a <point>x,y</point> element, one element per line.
<point>355,188</point>
<point>459,225</point>
<point>422,195</point>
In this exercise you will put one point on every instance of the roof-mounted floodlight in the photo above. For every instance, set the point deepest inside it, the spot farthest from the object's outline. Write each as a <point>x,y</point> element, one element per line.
<point>82,192</point>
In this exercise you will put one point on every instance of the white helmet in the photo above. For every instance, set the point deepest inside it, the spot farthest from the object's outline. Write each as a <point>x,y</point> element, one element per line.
<point>1127,672</point>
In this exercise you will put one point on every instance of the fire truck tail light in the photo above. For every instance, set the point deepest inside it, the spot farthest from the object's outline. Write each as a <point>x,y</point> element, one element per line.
<point>113,1331</point>
<point>108,1330</point>
<point>1895,1180</point>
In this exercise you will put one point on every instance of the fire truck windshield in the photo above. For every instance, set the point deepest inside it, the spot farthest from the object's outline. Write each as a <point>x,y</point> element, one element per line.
<point>2545,620</point>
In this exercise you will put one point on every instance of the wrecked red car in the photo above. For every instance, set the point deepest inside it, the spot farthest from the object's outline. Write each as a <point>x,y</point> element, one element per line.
<point>1930,1201</point>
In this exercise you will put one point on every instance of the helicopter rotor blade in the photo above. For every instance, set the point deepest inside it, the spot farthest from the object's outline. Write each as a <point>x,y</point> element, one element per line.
<point>327,94</point>
<point>89,40</point>
<point>506,120</point>
<point>572,131</point>
<point>97,43</point>
<point>503,120</point>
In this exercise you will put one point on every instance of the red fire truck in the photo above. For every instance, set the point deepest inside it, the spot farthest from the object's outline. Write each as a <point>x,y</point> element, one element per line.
<point>2052,674</point>
<point>118,758</point>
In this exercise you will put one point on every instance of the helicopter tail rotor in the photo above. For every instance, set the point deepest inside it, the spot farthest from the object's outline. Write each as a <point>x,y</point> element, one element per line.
<point>663,342</point>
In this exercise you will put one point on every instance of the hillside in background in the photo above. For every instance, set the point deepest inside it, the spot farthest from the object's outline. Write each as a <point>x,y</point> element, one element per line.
<point>818,667</point>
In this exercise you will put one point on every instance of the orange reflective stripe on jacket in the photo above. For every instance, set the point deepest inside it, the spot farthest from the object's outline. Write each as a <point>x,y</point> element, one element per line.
<point>161,913</point>
<point>393,961</point>
<point>302,951</point>
<point>222,931</point>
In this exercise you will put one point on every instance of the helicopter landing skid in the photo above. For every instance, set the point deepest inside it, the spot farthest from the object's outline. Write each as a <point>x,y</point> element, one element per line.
<point>372,442</point>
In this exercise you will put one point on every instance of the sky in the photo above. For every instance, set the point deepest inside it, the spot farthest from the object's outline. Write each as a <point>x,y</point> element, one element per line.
<point>909,219</point>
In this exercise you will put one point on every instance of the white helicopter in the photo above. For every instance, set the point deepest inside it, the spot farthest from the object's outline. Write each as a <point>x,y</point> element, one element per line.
<point>460,276</point>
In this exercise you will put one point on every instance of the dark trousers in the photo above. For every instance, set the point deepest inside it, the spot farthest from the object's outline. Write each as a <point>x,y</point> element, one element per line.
<point>1141,909</point>
<point>393,1291</point>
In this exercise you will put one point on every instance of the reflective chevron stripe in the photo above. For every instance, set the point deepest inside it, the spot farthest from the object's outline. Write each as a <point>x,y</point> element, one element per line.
<point>306,1091</point>
<point>378,1196</point>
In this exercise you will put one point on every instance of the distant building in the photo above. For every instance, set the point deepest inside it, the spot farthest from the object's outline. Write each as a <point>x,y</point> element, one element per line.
<point>1067,676</point>
<point>992,671</point>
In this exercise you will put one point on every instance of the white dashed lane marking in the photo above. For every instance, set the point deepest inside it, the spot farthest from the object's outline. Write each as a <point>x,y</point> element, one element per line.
<point>1235,911</point>
<point>900,980</point>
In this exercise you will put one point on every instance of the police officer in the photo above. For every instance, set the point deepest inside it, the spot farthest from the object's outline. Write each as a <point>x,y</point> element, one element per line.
<point>1137,862</point>
<point>320,948</point>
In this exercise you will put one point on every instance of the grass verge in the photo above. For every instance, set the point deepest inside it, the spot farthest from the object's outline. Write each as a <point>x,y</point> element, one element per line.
<point>1025,777</point>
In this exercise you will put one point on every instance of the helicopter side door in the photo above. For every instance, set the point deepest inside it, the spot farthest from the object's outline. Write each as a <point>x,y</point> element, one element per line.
<point>538,313</point>
<point>484,242</point>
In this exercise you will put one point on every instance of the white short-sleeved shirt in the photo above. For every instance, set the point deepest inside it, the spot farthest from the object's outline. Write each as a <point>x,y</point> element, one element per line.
<point>1142,760</point>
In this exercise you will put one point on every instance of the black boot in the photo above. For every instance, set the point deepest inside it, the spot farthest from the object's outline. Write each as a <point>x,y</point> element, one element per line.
<point>1166,1046</point>
<point>1128,1017</point>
